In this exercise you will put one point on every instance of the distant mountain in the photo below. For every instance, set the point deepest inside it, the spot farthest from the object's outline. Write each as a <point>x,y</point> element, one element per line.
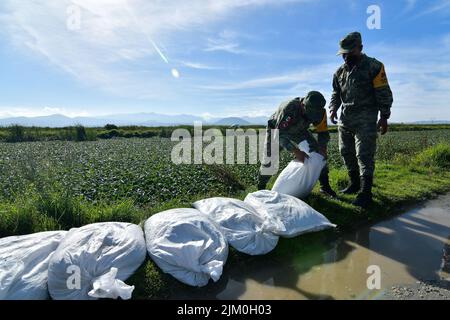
<point>151,119</point>
<point>432,122</point>
<point>256,120</point>
<point>231,121</point>
<point>55,120</point>
<point>140,119</point>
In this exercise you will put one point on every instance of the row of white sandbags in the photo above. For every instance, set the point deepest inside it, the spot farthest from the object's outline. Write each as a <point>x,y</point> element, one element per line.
<point>192,244</point>
<point>84,263</point>
<point>93,261</point>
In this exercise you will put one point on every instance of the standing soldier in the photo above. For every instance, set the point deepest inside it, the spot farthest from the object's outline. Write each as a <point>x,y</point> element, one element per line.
<point>360,85</point>
<point>293,119</point>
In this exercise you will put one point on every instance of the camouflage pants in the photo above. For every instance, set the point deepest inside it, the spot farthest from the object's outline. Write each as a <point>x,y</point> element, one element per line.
<point>357,148</point>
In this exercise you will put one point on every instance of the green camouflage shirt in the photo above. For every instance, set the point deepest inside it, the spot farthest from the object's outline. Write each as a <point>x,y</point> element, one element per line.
<point>362,91</point>
<point>294,126</point>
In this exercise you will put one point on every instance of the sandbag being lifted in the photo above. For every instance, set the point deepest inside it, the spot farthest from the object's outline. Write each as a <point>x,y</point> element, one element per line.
<point>24,264</point>
<point>186,244</point>
<point>298,179</point>
<point>245,229</point>
<point>93,261</point>
<point>296,216</point>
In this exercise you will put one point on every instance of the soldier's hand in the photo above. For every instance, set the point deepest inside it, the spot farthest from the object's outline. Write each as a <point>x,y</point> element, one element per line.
<point>333,116</point>
<point>300,155</point>
<point>383,125</point>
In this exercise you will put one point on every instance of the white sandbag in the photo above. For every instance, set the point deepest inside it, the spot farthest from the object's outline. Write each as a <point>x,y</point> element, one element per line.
<point>298,179</point>
<point>24,264</point>
<point>245,229</point>
<point>186,244</point>
<point>93,261</point>
<point>296,216</point>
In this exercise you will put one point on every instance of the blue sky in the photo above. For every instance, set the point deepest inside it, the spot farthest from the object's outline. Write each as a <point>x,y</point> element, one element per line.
<point>233,57</point>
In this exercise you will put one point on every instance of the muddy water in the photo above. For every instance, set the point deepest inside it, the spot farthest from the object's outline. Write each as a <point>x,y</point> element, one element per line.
<point>405,248</point>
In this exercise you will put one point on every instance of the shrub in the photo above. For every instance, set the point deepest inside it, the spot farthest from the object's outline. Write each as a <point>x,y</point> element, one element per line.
<point>436,156</point>
<point>109,134</point>
<point>111,127</point>
<point>16,133</point>
<point>80,133</point>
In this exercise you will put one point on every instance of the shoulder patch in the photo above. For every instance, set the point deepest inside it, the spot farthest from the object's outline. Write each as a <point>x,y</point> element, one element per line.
<point>286,122</point>
<point>381,79</point>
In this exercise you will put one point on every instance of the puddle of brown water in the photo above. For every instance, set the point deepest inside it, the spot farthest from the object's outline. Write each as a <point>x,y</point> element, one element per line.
<point>405,248</point>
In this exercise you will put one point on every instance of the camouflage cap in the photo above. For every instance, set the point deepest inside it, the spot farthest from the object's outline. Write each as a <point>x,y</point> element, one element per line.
<point>314,106</point>
<point>350,42</point>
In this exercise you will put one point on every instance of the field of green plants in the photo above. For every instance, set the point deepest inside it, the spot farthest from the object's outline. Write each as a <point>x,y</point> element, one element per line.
<point>69,183</point>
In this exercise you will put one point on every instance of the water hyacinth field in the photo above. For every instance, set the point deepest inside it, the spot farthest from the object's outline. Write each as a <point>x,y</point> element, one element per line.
<point>63,178</point>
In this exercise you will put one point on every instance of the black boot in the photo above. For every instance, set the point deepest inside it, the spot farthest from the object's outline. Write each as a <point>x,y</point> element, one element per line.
<point>262,181</point>
<point>355,184</point>
<point>325,187</point>
<point>364,198</point>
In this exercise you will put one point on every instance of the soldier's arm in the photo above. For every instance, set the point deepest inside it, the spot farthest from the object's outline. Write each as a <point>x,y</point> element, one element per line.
<point>383,92</point>
<point>287,119</point>
<point>336,101</point>
<point>285,142</point>
<point>323,135</point>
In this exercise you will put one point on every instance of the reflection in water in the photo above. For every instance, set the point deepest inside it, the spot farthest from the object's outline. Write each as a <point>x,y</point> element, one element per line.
<point>406,248</point>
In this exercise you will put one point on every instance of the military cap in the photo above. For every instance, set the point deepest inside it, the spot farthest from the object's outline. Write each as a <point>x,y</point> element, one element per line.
<point>314,106</point>
<point>349,42</point>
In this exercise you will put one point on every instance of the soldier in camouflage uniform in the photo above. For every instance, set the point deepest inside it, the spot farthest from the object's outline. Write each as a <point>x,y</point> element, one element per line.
<point>293,119</point>
<point>361,87</point>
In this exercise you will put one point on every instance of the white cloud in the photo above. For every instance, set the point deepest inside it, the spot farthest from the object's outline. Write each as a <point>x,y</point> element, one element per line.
<point>199,66</point>
<point>317,74</point>
<point>226,41</point>
<point>418,72</point>
<point>410,4</point>
<point>113,51</point>
<point>440,7</point>
<point>116,31</point>
<point>220,45</point>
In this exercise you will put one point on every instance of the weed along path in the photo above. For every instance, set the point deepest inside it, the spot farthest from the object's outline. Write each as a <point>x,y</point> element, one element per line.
<point>363,264</point>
